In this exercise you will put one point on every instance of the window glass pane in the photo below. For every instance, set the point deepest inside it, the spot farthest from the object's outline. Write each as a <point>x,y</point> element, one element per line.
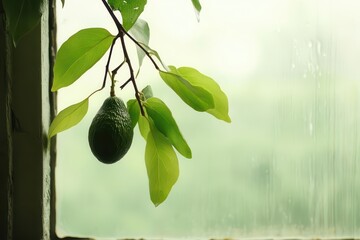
<point>287,165</point>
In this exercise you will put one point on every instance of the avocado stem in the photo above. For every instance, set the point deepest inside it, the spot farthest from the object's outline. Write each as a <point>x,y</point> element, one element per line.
<point>112,87</point>
<point>113,74</point>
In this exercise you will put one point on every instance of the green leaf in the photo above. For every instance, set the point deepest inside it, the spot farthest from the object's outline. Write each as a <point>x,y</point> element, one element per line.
<point>130,10</point>
<point>156,54</point>
<point>165,123</point>
<point>69,117</point>
<point>22,16</point>
<point>197,6</point>
<point>141,32</point>
<point>143,126</point>
<point>195,96</point>
<point>161,164</point>
<point>134,111</point>
<point>195,78</point>
<point>147,92</point>
<point>63,2</point>
<point>78,54</point>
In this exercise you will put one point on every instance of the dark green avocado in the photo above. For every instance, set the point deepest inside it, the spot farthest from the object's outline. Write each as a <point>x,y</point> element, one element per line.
<point>111,133</point>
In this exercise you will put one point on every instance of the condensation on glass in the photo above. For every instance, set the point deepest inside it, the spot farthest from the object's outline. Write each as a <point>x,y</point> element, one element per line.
<point>288,164</point>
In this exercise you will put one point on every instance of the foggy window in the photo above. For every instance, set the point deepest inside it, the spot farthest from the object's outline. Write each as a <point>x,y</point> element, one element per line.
<point>288,164</point>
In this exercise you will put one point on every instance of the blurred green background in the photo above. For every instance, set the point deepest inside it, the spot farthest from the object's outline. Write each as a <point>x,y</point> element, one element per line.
<point>287,165</point>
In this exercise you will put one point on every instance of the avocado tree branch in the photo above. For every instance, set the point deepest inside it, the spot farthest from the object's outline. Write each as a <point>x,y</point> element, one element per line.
<point>121,34</point>
<point>132,76</point>
<point>113,74</point>
<point>143,49</point>
<point>107,66</point>
<point>116,21</point>
<point>123,31</point>
<point>122,86</point>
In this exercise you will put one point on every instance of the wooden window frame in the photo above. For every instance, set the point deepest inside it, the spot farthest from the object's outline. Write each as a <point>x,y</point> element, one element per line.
<point>27,200</point>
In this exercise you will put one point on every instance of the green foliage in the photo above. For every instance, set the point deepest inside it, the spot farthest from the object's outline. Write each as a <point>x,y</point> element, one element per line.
<point>197,6</point>
<point>196,97</point>
<point>197,90</point>
<point>161,164</point>
<point>141,32</point>
<point>195,78</point>
<point>130,10</point>
<point>161,133</point>
<point>69,117</point>
<point>155,120</point>
<point>144,127</point>
<point>22,16</point>
<point>147,92</point>
<point>78,54</point>
<point>134,111</point>
<point>165,123</point>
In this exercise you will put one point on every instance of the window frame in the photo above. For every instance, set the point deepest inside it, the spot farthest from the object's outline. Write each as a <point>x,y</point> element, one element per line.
<point>27,202</point>
<point>29,174</point>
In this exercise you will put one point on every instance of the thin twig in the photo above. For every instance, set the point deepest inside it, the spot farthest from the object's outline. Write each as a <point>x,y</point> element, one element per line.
<point>132,77</point>
<point>113,74</point>
<point>107,65</point>
<point>143,49</point>
<point>121,33</point>
<point>122,86</point>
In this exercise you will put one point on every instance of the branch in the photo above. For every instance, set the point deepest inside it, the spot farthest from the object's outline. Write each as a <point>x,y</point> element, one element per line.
<point>113,74</point>
<point>121,33</point>
<point>108,64</point>
<point>132,77</point>
<point>116,21</point>
<point>144,50</point>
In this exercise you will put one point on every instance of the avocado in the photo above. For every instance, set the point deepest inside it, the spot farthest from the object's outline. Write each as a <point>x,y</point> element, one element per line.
<point>111,133</point>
